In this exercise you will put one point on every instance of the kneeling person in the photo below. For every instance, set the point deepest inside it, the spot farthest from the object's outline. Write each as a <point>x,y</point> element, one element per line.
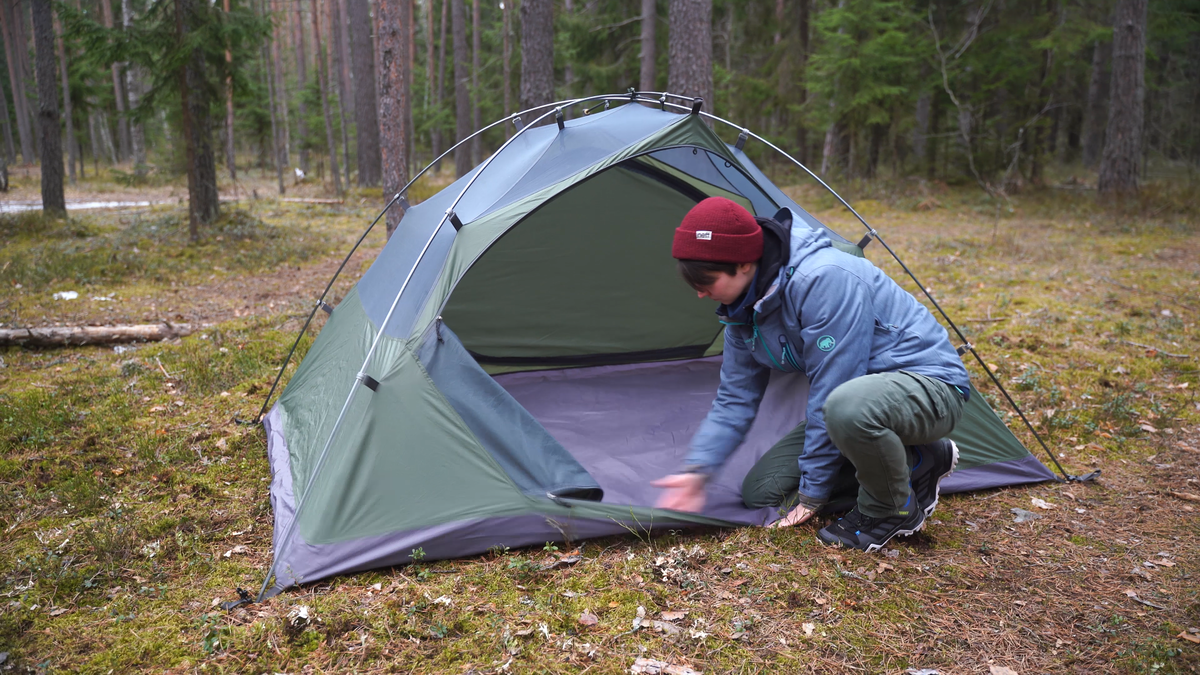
<point>885,385</point>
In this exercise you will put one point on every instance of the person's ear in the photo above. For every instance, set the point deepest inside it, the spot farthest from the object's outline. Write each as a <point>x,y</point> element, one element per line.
<point>745,268</point>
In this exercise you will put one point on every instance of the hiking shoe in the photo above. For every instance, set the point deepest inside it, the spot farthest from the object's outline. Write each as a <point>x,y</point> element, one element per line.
<point>931,463</point>
<point>871,534</point>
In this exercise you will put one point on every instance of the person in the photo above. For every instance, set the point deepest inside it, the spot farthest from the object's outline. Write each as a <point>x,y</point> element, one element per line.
<point>885,385</point>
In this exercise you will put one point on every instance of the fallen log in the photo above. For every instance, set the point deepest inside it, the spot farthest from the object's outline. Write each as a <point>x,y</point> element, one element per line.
<point>59,336</point>
<point>304,200</point>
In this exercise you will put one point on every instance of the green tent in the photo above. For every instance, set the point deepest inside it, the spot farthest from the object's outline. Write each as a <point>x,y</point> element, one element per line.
<point>521,359</point>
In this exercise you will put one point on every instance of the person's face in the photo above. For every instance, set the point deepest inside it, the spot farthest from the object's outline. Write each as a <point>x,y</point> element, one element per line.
<point>727,288</point>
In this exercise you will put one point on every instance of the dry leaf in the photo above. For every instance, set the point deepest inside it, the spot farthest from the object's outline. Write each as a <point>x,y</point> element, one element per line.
<point>1041,503</point>
<point>59,612</point>
<point>808,629</point>
<point>588,619</point>
<point>641,617</point>
<point>1001,670</point>
<point>883,567</point>
<point>1187,496</point>
<point>118,472</point>
<point>1150,428</point>
<point>158,408</point>
<point>1189,637</point>
<point>673,616</point>
<point>236,549</point>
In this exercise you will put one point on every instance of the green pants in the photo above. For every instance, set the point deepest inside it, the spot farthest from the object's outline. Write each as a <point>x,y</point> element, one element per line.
<point>870,419</point>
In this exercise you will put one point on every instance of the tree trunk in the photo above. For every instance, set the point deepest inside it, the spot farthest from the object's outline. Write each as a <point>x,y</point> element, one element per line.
<point>935,121</point>
<point>53,202</point>
<point>123,139</point>
<point>134,75</point>
<point>537,54</point>
<point>568,67</point>
<point>462,91</point>
<point>324,89</point>
<point>1123,137</point>
<point>10,150</point>
<point>803,31</point>
<point>648,77</point>
<point>28,81</point>
<point>365,110</point>
<point>689,50</point>
<point>1095,113</point>
<point>14,44</point>
<point>441,83</point>
<point>195,105</point>
<point>301,84</point>
<point>505,8</point>
<point>921,130</point>
<point>277,155</point>
<point>430,83</point>
<point>410,65</point>
<point>476,118</point>
<point>392,44</point>
<point>335,28</point>
<point>68,119</point>
<point>345,78</point>
<point>230,158</point>
<point>285,135</point>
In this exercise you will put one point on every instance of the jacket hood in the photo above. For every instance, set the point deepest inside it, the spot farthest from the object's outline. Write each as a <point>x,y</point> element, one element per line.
<point>777,251</point>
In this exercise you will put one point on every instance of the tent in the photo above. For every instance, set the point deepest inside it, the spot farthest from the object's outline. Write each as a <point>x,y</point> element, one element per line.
<point>521,359</point>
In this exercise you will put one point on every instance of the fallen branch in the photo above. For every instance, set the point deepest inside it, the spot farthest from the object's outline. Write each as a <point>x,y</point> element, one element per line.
<point>303,200</point>
<point>1156,349</point>
<point>59,336</point>
<point>1185,496</point>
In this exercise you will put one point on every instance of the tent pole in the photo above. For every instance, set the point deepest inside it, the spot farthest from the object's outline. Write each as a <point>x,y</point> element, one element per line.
<point>871,232</point>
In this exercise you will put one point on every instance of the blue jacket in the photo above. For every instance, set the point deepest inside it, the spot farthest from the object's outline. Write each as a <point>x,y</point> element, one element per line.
<point>831,315</point>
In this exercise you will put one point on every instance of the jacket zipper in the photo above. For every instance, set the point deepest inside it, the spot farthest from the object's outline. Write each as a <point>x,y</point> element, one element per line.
<point>766,347</point>
<point>787,352</point>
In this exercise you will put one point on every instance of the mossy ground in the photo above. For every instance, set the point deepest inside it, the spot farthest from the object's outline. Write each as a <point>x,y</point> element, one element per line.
<point>131,502</point>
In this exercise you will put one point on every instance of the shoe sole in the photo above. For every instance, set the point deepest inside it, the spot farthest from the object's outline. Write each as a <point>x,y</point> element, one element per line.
<point>937,488</point>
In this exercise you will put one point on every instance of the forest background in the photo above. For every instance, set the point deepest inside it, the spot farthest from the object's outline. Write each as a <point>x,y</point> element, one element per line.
<point>364,92</point>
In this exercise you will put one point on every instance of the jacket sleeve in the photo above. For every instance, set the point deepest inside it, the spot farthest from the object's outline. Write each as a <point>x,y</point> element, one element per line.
<point>837,324</point>
<point>743,382</point>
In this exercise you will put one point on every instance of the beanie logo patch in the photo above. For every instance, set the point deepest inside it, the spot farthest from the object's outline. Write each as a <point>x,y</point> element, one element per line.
<point>706,235</point>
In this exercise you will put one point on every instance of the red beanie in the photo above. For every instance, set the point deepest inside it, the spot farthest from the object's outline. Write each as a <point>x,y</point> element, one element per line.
<point>718,230</point>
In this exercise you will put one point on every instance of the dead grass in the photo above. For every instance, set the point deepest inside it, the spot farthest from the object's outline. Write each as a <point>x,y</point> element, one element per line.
<point>130,500</point>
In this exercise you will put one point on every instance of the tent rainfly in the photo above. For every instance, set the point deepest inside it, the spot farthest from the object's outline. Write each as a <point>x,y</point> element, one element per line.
<point>521,358</point>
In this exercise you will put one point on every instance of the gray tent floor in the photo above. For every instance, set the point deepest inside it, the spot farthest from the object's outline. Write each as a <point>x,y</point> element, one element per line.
<point>630,424</point>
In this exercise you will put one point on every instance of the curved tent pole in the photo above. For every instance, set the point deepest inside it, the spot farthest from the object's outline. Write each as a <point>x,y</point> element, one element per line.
<point>321,300</point>
<point>873,234</point>
<point>362,377</point>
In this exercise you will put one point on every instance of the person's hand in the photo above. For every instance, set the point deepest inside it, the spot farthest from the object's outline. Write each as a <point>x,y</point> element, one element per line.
<point>684,492</point>
<point>798,515</point>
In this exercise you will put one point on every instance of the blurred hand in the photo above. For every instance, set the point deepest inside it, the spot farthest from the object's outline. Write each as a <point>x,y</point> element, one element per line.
<point>684,492</point>
<point>798,515</point>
